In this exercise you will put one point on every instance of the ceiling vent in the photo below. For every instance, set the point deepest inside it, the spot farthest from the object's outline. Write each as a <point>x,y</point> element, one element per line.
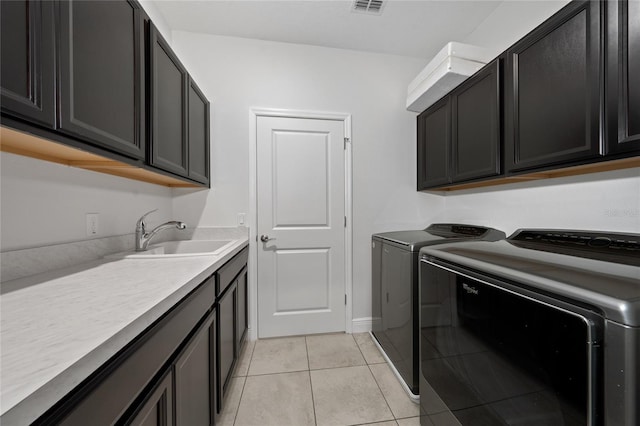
<point>372,7</point>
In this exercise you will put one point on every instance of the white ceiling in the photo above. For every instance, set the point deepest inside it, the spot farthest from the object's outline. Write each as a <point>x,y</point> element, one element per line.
<point>418,28</point>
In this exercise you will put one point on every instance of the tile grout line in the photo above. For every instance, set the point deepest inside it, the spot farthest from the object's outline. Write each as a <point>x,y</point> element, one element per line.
<point>244,383</point>
<point>360,349</point>
<point>235,417</point>
<point>275,372</point>
<point>382,393</point>
<point>378,384</point>
<point>313,402</point>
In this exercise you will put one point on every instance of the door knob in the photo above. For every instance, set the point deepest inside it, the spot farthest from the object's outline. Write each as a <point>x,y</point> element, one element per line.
<point>265,238</point>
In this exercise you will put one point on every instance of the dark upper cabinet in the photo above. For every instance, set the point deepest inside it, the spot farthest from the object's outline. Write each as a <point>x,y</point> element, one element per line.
<point>459,136</point>
<point>475,116</point>
<point>434,139</point>
<point>27,73</point>
<point>552,106</point>
<point>622,83</point>
<point>87,74</point>
<point>169,122</point>
<point>198,134</point>
<point>101,78</point>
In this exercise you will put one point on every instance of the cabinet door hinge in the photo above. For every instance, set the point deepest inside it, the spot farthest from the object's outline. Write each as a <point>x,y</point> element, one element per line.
<point>346,141</point>
<point>345,221</point>
<point>345,299</point>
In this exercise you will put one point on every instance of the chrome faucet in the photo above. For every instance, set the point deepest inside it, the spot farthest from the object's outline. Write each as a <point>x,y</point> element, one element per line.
<point>143,238</point>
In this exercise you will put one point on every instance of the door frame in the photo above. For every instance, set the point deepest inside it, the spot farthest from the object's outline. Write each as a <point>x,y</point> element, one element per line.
<point>252,219</point>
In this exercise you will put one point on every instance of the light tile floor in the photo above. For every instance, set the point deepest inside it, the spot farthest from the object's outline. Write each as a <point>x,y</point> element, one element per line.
<point>331,379</point>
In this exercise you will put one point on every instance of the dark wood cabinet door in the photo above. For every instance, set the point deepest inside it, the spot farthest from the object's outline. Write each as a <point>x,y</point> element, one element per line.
<point>475,112</point>
<point>194,373</point>
<point>198,134</point>
<point>241,318</point>
<point>27,74</point>
<point>158,409</point>
<point>434,143</point>
<point>168,97</point>
<point>623,77</point>
<point>552,101</point>
<point>226,341</point>
<point>101,79</point>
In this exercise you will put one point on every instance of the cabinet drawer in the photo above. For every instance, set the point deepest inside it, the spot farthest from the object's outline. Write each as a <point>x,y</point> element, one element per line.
<point>230,270</point>
<point>113,389</point>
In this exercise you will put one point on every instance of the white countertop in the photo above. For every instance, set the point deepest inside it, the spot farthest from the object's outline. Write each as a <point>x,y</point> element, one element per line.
<point>57,328</point>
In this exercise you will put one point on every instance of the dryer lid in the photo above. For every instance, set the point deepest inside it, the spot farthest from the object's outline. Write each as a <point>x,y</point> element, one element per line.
<point>605,276</point>
<point>439,233</point>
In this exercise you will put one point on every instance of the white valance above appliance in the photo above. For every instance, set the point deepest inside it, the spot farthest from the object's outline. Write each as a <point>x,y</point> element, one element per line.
<point>450,67</point>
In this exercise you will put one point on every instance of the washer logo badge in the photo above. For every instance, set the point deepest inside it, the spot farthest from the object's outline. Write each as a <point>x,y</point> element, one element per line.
<point>469,289</point>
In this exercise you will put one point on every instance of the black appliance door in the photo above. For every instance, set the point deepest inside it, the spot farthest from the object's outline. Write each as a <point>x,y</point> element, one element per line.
<point>493,353</point>
<point>395,289</point>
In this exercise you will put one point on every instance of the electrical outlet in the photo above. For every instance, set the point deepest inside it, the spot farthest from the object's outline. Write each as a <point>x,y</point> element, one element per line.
<point>92,222</point>
<point>241,219</point>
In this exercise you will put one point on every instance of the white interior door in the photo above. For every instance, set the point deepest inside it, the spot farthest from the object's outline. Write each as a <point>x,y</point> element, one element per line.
<point>301,218</point>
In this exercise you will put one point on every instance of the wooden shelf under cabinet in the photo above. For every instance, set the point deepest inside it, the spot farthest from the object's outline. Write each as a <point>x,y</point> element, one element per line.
<point>604,166</point>
<point>20,143</point>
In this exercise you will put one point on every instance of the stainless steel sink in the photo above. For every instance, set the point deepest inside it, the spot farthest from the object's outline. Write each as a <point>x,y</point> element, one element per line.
<point>177,249</point>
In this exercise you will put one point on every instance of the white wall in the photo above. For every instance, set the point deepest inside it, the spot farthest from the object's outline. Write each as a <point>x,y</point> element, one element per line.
<point>607,201</point>
<point>237,74</point>
<point>45,203</point>
<point>511,21</point>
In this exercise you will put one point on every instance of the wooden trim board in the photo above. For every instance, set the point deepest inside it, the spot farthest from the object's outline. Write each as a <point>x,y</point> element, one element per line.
<point>27,145</point>
<point>604,166</point>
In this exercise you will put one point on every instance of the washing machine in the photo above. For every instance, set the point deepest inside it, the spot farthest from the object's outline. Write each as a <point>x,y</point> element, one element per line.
<point>542,328</point>
<point>395,303</point>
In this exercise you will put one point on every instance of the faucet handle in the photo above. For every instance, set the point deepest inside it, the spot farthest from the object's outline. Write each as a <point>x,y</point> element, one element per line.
<point>140,223</point>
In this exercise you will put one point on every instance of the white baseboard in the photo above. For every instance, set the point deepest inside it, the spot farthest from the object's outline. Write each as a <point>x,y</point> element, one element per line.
<point>361,325</point>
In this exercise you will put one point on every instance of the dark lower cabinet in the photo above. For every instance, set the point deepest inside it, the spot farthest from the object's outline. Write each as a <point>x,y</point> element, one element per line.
<point>195,377</point>
<point>226,340</point>
<point>177,371</point>
<point>552,106</point>
<point>27,74</point>
<point>242,318</point>
<point>168,83</point>
<point>434,140</point>
<point>231,289</point>
<point>622,70</point>
<point>475,119</point>
<point>116,391</point>
<point>101,78</point>
<point>158,409</point>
